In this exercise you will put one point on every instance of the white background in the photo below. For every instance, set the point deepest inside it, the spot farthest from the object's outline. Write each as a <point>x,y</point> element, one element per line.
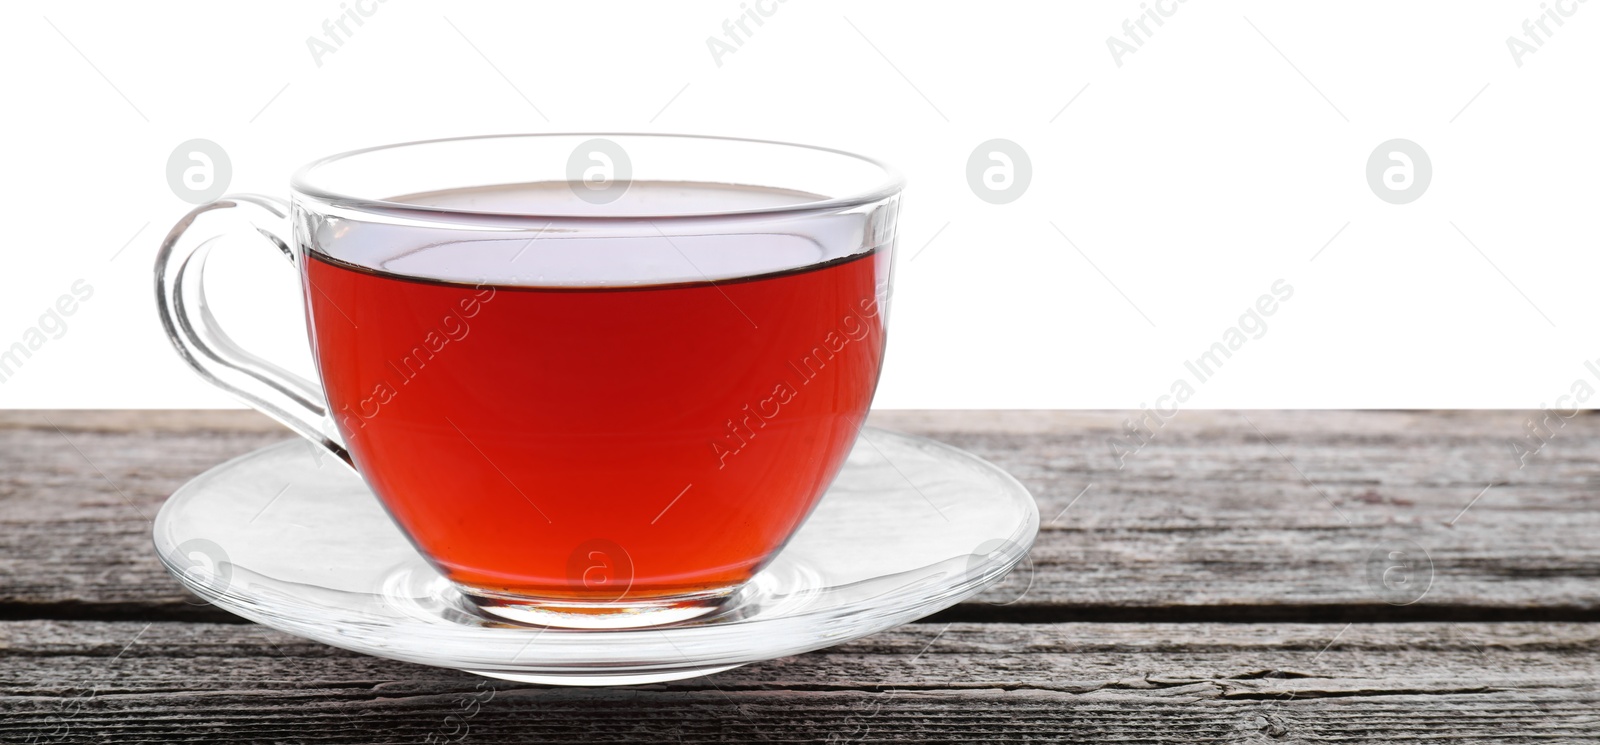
<point>1221,156</point>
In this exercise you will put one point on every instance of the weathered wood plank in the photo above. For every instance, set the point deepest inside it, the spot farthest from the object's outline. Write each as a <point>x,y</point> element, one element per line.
<point>1259,516</point>
<point>84,681</point>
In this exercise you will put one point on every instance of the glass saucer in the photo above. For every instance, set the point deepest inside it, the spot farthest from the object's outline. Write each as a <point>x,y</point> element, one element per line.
<point>290,538</point>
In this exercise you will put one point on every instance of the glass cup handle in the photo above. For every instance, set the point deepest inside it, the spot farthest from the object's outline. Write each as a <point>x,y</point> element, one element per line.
<point>296,402</point>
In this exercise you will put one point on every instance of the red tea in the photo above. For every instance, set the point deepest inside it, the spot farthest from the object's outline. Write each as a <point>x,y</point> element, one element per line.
<point>593,443</point>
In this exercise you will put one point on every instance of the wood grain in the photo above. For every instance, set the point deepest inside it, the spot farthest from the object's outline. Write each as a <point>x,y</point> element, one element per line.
<point>1221,523</point>
<point>1223,516</point>
<point>1136,683</point>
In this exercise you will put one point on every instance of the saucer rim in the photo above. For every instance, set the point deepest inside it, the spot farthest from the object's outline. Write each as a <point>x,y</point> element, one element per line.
<point>868,617</point>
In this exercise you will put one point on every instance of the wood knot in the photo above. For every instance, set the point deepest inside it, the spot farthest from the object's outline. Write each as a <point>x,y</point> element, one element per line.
<point>1271,726</point>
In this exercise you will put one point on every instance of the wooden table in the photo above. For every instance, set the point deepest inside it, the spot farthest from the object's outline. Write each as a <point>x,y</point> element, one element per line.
<point>1215,588</point>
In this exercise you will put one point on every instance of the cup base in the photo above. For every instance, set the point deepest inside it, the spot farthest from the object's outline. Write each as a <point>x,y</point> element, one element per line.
<point>616,614</point>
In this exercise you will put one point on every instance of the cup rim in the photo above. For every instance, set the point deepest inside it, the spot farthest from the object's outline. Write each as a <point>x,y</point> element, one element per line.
<point>303,184</point>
